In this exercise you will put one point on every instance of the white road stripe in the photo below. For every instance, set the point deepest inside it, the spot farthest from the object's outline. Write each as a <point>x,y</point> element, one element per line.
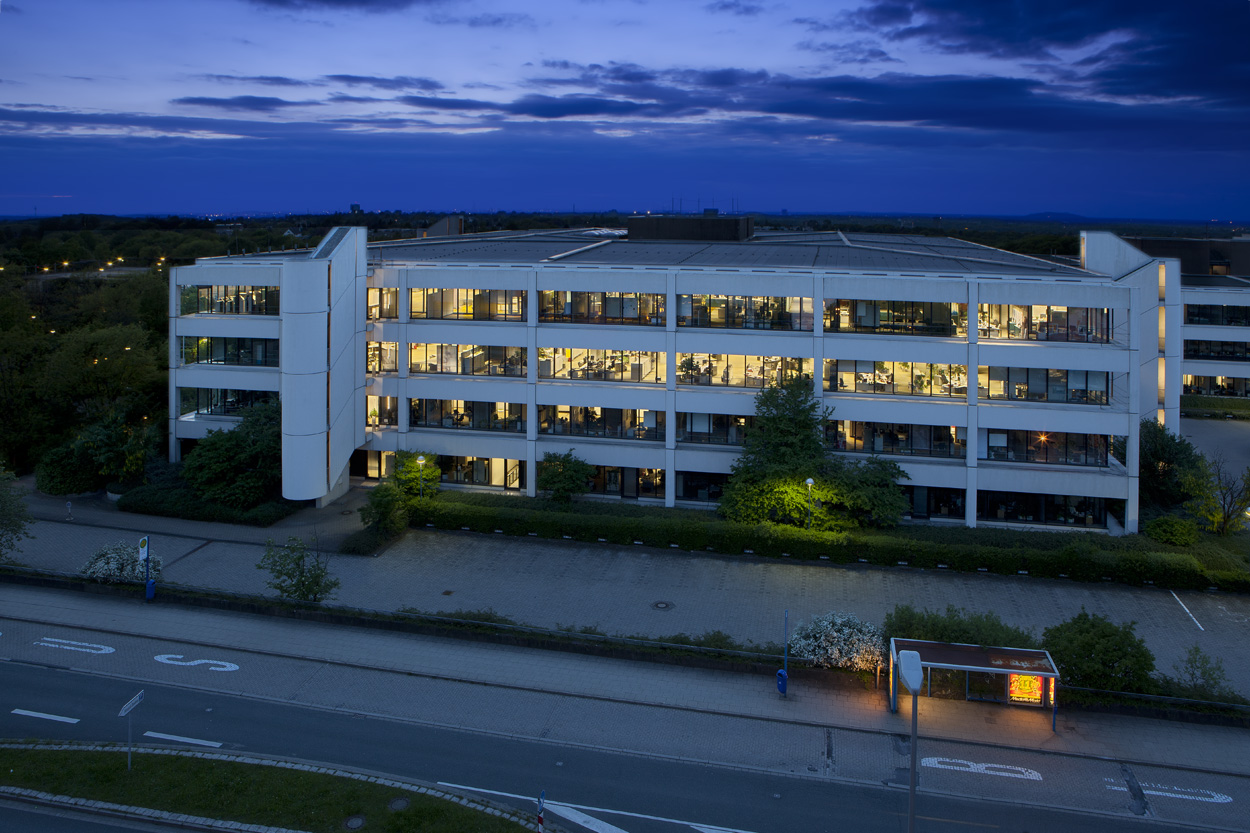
<point>1182,604</point>
<point>626,813</point>
<point>43,716</point>
<point>578,817</point>
<point>181,739</point>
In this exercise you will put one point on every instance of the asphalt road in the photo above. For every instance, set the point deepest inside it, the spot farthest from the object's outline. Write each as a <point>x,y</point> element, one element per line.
<point>595,758</point>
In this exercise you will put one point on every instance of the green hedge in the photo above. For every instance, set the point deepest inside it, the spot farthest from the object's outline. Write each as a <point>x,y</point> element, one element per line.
<point>1081,557</point>
<point>183,502</point>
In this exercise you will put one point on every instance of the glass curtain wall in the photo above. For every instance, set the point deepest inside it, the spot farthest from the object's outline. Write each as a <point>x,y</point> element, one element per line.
<point>722,369</point>
<point>383,303</point>
<point>1048,447</point>
<point>614,423</point>
<point>745,312</point>
<point>1224,351</point>
<point>221,402</point>
<point>914,318</point>
<point>717,429</point>
<point>466,359</point>
<point>229,300</point>
<point>590,364</point>
<point>1217,315</point>
<point>1084,387</point>
<point>897,438</point>
<point>497,472</point>
<point>381,356</point>
<point>247,352</point>
<point>1044,323</point>
<point>468,304</point>
<point>1215,385</point>
<point>896,378</point>
<point>1023,507</point>
<point>459,413</point>
<point>635,308</point>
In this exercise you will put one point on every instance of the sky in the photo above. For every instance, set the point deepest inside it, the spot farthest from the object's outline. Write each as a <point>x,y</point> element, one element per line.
<point>1102,108</point>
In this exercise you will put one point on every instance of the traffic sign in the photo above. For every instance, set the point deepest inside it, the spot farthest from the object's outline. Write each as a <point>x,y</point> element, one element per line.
<point>134,701</point>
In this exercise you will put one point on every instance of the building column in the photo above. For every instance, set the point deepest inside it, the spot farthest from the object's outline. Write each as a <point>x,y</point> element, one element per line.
<point>531,384</point>
<point>670,390</point>
<point>972,439</point>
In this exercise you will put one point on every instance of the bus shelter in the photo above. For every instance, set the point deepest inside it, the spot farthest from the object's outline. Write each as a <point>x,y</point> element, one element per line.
<point>1029,676</point>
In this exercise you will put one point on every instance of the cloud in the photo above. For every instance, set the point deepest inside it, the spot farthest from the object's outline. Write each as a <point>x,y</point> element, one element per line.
<point>498,20</point>
<point>248,103</point>
<point>397,83</point>
<point>854,52</point>
<point>265,80</point>
<point>737,7</point>
<point>350,5</point>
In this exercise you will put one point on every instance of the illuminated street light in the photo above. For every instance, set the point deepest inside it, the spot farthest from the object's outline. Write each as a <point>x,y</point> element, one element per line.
<point>810,483</point>
<point>421,480</point>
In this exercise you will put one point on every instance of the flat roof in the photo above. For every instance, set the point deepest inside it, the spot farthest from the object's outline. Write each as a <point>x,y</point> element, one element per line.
<point>961,657</point>
<point>823,250</point>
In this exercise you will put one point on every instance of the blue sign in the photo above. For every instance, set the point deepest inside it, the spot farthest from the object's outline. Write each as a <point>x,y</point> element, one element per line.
<point>782,677</point>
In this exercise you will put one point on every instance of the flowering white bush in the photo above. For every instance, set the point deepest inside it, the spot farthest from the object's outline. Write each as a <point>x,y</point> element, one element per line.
<point>840,640</point>
<point>120,562</point>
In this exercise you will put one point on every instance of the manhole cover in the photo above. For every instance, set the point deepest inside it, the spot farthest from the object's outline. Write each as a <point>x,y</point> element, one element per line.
<point>398,804</point>
<point>354,822</point>
<point>448,592</point>
<point>347,512</point>
<point>662,606</point>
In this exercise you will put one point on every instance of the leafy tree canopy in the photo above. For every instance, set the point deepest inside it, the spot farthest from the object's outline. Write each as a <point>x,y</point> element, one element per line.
<point>415,479</point>
<point>297,573</point>
<point>564,475</point>
<point>14,517</point>
<point>1170,467</point>
<point>788,437</point>
<point>240,468</point>
<point>1092,652</point>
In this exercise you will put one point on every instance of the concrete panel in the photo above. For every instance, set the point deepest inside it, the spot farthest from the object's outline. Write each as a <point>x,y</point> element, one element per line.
<point>604,452</point>
<point>1054,354</point>
<point>305,287</point>
<point>889,287</point>
<point>500,333</point>
<point>717,459</point>
<point>703,400</point>
<point>210,274</point>
<point>466,277</point>
<point>226,376</point>
<point>1050,480</point>
<point>1077,419</point>
<point>567,279</point>
<point>228,326</point>
<point>305,338</point>
<point>744,342</point>
<point>602,337</point>
<point>917,410</point>
<point>303,466</point>
<point>756,282</point>
<point>304,405</point>
<point>895,348</point>
<point>1072,294</point>
<point>435,386</point>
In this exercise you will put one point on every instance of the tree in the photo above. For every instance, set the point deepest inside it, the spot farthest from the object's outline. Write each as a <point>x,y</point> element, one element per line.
<point>564,475</point>
<point>1167,464</point>
<point>240,468</point>
<point>1222,496</point>
<point>118,450</point>
<point>840,640</point>
<point>385,509</point>
<point>1201,677</point>
<point>14,516</point>
<point>1091,652</point>
<point>416,479</point>
<point>295,573</point>
<point>867,490</point>
<point>788,435</point>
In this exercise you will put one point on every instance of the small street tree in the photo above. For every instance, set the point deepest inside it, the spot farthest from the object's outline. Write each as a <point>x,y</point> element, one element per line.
<point>788,436</point>
<point>1222,496</point>
<point>14,517</point>
<point>414,477</point>
<point>1092,652</point>
<point>564,476</point>
<point>296,573</point>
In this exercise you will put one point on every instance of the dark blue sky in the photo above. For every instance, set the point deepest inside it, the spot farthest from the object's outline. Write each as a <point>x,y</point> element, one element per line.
<point>1097,107</point>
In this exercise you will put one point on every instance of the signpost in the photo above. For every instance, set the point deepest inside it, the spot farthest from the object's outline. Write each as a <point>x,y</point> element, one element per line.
<point>913,675</point>
<point>149,583</point>
<point>125,712</point>
<point>542,800</point>
<point>783,676</point>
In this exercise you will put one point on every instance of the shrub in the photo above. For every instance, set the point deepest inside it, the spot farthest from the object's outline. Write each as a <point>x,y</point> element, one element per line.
<point>240,468</point>
<point>365,541</point>
<point>1200,677</point>
<point>67,470</point>
<point>120,562</point>
<point>172,501</point>
<point>1092,652</point>
<point>297,573</point>
<point>840,640</point>
<point>956,625</point>
<point>1171,529</point>
<point>563,476</point>
<point>385,509</point>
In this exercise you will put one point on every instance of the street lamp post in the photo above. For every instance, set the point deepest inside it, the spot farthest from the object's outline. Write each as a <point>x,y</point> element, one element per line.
<point>421,479</point>
<point>810,483</point>
<point>913,675</point>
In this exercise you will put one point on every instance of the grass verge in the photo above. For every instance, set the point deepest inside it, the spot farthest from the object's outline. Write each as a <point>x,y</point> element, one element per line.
<point>234,791</point>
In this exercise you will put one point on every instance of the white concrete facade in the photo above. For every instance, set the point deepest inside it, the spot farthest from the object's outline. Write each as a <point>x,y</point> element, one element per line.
<point>323,332</point>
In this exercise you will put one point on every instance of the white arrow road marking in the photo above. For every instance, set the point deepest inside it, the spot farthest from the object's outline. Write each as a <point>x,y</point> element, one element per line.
<point>176,659</point>
<point>1177,792</point>
<point>578,817</point>
<point>1003,770</point>
<point>181,739</point>
<point>626,813</point>
<point>70,645</point>
<point>43,716</point>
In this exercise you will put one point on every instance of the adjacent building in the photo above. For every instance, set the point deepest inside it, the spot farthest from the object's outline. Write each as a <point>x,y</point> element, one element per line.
<point>997,381</point>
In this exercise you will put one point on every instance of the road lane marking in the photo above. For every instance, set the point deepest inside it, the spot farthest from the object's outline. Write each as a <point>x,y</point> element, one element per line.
<point>691,824</point>
<point>176,659</point>
<point>577,817</point>
<point>1166,791</point>
<point>1002,770</point>
<point>70,645</point>
<point>1182,604</point>
<point>181,739</point>
<point>43,716</point>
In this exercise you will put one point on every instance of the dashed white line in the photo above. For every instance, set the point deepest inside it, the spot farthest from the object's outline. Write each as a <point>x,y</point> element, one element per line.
<point>181,739</point>
<point>43,716</point>
<point>1182,604</point>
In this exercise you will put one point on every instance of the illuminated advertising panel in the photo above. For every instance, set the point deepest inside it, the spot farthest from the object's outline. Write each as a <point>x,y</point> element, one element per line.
<point>1024,688</point>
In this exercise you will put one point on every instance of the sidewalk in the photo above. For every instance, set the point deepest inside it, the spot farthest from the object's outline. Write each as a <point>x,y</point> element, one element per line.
<point>612,586</point>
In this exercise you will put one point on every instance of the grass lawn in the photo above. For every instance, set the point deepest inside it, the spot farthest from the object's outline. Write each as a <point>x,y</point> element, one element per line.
<point>239,792</point>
